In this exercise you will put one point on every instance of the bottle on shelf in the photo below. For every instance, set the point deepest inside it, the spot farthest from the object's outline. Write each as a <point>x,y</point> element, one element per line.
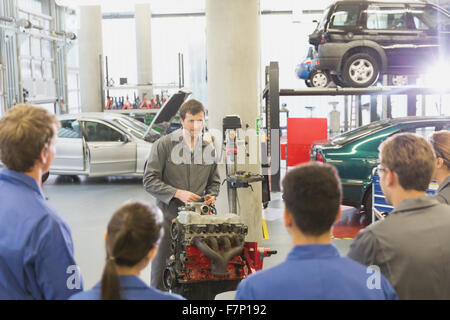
<point>144,104</point>
<point>152,103</point>
<point>120,106</point>
<point>158,102</point>
<point>108,104</point>
<point>127,104</point>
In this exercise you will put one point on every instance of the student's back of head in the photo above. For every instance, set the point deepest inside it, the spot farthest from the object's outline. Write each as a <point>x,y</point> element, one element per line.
<point>312,194</point>
<point>134,230</point>
<point>25,131</point>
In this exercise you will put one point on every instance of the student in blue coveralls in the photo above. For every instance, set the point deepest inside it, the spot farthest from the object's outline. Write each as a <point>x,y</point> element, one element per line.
<point>36,249</point>
<point>314,269</point>
<point>132,238</point>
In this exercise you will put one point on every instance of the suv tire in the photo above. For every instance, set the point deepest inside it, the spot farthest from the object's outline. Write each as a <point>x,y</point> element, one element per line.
<point>319,79</point>
<point>360,70</point>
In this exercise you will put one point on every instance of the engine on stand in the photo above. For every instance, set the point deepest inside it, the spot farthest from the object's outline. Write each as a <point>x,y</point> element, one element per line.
<point>209,254</point>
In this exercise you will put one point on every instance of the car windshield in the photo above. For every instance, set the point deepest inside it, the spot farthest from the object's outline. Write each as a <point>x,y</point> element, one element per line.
<point>135,127</point>
<point>360,132</point>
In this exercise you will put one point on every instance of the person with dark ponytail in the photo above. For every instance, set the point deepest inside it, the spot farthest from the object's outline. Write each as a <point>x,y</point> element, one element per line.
<point>132,238</point>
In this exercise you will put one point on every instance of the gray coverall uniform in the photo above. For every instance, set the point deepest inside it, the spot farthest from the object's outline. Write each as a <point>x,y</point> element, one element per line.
<point>172,165</point>
<point>411,247</point>
<point>443,193</point>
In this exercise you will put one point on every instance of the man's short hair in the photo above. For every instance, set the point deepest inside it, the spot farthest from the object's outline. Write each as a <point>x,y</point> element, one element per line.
<point>411,157</point>
<point>312,193</point>
<point>191,106</point>
<point>24,131</point>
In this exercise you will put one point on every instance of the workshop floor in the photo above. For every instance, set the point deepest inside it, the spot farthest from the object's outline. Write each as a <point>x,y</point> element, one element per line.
<point>87,204</point>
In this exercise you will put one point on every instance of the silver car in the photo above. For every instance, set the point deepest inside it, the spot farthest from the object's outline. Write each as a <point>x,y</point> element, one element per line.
<point>106,143</point>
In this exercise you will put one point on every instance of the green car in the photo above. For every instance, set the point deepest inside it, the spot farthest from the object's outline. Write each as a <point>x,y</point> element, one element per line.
<point>355,153</point>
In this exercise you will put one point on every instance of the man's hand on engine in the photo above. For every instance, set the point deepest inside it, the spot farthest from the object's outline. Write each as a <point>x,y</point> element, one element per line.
<point>186,196</point>
<point>210,200</point>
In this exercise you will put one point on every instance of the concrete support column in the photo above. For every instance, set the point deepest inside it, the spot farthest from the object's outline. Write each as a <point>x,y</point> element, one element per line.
<point>233,55</point>
<point>143,46</point>
<point>90,49</point>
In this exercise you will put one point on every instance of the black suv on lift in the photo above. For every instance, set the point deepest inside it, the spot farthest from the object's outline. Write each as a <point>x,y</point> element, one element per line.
<point>357,41</point>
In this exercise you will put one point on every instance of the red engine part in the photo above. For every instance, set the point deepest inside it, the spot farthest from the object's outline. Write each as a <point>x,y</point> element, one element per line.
<point>254,256</point>
<point>197,267</point>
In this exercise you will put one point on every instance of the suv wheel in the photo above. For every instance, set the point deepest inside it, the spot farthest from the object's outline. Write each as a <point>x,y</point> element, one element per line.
<point>360,70</point>
<point>319,79</point>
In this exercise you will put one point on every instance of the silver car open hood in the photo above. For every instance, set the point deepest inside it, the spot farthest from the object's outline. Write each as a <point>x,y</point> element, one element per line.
<point>165,115</point>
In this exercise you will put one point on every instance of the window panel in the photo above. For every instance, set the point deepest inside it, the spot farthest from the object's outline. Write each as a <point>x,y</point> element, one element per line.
<point>345,15</point>
<point>48,70</point>
<point>386,18</point>
<point>100,132</point>
<point>74,99</point>
<point>37,69</point>
<point>428,17</point>
<point>35,47</point>
<point>419,24</point>
<point>69,129</point>
<point>47,49</point>
<point>72,80</point>
<point>24,45</point>
<point>25,68</point>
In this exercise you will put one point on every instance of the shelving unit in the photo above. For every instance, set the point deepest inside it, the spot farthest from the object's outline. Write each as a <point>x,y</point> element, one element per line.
<point>106,81</point>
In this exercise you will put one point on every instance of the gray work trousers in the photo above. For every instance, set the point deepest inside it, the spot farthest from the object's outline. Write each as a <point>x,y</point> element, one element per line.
<point>160,260</point>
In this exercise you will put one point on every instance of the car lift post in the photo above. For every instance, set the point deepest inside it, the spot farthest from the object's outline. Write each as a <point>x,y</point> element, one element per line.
<point>273,122</point>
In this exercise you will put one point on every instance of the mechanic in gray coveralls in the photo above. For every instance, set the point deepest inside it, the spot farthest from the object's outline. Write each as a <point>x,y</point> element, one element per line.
<point>181,168</point>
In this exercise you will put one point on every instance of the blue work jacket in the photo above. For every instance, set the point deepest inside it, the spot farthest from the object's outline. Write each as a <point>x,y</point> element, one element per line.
<point>316,272</point>
<point>36,249</point>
